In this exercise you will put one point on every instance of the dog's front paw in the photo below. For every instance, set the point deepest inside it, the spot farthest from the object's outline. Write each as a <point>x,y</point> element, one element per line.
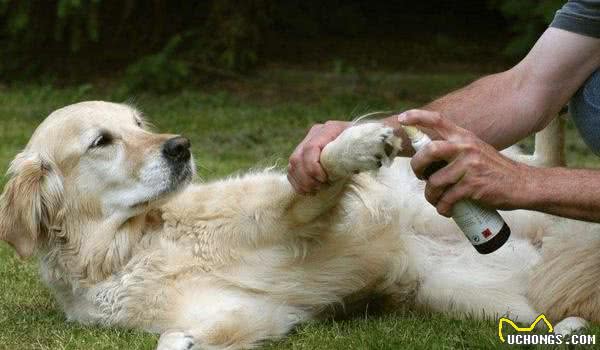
<point>175,341</point>
<point>360,148</point>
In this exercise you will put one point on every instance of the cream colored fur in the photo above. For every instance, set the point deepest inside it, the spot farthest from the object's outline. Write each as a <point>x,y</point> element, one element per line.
<point>231,263</point>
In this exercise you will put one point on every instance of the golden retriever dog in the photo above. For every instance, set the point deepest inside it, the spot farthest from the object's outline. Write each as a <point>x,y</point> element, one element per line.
<point>124,238</point>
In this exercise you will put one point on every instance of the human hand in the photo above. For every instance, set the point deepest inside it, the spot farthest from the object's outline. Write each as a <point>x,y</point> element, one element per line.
<point>304,171</point>
<point>475,169</point>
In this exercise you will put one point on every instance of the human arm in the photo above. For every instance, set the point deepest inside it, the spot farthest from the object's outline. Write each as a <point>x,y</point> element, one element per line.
<point>500,108</point>
<point>503,108</point>
<point>477,171</point>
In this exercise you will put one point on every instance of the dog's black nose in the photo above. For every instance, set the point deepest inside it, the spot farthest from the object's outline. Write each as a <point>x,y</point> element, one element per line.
<point>177,148</point>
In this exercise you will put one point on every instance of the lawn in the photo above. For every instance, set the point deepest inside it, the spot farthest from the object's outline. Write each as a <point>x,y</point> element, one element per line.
<point>235,126</point>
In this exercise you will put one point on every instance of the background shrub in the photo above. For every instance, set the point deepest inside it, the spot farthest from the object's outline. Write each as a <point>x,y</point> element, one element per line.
<point>74,40</point>
<point>528,18</point>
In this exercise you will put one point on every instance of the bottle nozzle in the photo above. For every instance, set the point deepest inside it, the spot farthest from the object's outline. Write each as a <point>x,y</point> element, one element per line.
<point>413,133</point>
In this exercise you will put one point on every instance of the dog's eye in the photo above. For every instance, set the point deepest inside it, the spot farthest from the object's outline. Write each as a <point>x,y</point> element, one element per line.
<point>101,141</point>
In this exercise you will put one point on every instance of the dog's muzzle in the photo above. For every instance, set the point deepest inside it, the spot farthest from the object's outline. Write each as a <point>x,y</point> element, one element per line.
<point>176,152</point>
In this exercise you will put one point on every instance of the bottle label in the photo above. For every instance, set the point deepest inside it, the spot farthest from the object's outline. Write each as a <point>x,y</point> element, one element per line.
<point>479,224</point>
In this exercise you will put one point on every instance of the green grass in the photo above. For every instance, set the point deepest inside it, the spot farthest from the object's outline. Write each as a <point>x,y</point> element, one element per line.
<point>235,126</point>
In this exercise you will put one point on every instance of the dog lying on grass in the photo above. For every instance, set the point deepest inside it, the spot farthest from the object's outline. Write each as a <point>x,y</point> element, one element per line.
<point>125,239</point>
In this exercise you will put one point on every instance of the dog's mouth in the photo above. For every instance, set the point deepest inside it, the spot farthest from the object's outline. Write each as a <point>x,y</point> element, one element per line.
<point>180,175</point>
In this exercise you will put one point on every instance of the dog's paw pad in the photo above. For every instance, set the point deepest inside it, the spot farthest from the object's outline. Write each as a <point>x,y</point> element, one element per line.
<point>369,146</point>
<point>363,147</point>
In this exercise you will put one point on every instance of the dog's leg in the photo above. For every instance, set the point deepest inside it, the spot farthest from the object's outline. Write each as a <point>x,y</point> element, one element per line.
<point>227,318</point>
<point>565,282</point>
<point>363,147</point>
<point>455,280</point>
<point>549,146</point>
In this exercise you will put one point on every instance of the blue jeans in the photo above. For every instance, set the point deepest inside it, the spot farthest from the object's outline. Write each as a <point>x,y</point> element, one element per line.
<point>584,108</point>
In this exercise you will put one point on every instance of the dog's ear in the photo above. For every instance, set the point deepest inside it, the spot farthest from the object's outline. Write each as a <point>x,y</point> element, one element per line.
<point>30,202</point>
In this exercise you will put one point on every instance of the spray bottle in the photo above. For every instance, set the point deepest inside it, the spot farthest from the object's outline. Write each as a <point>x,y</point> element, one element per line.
<point>484,227</point>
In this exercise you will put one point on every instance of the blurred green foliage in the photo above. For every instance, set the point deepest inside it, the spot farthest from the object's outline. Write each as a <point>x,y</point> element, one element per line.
<point>80,37</point>
<point>164,45</point>
<point>528,19</point>
<point>160,72</point>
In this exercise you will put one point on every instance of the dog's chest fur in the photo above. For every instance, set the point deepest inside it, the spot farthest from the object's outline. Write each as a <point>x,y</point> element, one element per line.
<point>174,247</point>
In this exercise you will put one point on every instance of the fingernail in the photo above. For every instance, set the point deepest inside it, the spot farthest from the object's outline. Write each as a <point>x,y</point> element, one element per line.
<point>402,117</point>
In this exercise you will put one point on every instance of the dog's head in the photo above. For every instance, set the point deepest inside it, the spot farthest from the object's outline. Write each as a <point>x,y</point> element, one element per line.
<point>90,160</point>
